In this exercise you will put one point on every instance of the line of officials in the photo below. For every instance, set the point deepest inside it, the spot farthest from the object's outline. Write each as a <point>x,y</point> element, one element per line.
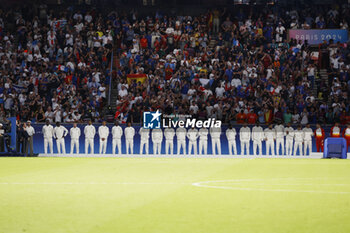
<point>283,139</point>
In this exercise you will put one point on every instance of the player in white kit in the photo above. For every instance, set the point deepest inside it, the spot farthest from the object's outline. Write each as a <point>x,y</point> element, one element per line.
<point>59,133</point>
<point>257,137</point>
<point>244,136</point>
<point>129,138</point>
<point>231,139</point>
<point>270,137</point>
<point>103,132</point>
<point>74,133</point>
<point>289,132</point>
<point>203,140</point>
<point>298,140</point>
<point>144,141</point>
<point>215,133</point>
<point>279,139</point>
<point>157,138</point>
<point>181,140</point>
<point>48,136</point>
<point>89,132</point>
<point>117,133</point>
<point>308,134</point>
<point>192,135</point>
<point>169,134</point>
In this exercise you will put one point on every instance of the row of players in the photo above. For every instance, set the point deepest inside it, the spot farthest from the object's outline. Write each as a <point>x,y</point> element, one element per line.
<point>285,138</point>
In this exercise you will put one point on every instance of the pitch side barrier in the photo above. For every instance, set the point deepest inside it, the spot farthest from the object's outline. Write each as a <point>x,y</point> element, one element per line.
<point>39,140</point>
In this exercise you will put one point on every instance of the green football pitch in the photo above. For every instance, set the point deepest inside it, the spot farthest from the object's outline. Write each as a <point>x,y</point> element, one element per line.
<point>174,195</point>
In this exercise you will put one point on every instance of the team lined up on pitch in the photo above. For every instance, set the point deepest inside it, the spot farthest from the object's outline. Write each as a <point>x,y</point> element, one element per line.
<point>283,140</point>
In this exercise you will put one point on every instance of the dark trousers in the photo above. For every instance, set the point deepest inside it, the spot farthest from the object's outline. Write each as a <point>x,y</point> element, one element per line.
<point>2,144</point>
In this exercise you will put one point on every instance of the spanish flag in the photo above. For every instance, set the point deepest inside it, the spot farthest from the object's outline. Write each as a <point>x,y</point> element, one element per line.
<point>138,77</point>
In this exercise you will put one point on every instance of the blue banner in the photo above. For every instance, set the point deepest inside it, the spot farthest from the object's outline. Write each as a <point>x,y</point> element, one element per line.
<point>315,36</point>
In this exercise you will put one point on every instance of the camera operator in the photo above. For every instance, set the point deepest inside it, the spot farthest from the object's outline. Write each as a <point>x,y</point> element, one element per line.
<point>22,138</point>
<point>2,138</point>
<point>5,137</point>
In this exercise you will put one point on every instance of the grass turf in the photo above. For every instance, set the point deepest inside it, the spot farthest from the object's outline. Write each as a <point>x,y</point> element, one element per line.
<point>156,195</point>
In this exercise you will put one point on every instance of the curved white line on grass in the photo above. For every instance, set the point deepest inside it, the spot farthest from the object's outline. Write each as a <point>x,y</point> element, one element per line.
<point>207,184</point>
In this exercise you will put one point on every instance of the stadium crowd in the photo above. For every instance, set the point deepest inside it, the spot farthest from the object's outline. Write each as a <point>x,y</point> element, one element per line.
<point>233,65</point>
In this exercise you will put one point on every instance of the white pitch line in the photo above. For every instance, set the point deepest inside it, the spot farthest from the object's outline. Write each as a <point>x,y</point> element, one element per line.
<point>205,184</point>
<point>92,183</point>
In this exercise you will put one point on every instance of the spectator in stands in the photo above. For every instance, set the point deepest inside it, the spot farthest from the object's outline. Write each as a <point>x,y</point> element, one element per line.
<point>58,64</point>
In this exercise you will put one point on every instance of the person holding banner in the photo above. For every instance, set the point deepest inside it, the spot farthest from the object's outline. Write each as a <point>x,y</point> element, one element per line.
<point>48,136</point>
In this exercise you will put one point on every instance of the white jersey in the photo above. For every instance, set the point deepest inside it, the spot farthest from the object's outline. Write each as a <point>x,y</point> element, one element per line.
<point>157,135</point>
<point>103,131</point>
<point>231,134</point>
<point>169,134</point>
<point>48,131</point>
<point>181,133</point>
<point>129,133</point>
<point>30,130</point>
<point>144,134</point>
<point>258,133</point>
<point>244,133</point>
<point>318,132</point>
<point>117,132</point>
<point>279,131</point>
<point>203,134</point>
<point>192,134</point>
<point>347,132</point>
<point>289,132</point>
<point>336,131</point>
<point>270,134</point>
<point>215,132</point>
<point>60,132</point>
<point>299,135</point>
<point>74,133</point>
<point>308,134</point>
<point>89,131</point>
